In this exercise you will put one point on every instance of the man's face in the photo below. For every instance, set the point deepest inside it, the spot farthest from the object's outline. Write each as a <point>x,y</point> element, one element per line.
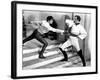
<point>75,20</point>
<point>51,21</point>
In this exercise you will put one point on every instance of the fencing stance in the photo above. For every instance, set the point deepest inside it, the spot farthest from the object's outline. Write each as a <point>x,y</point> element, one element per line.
<point>76,32</point>
<point>43,28</point>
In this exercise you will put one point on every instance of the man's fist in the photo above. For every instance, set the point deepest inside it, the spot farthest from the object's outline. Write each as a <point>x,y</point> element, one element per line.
<point>66,33</point>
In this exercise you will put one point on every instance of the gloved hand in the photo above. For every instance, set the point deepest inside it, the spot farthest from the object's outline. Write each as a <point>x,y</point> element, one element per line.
<point>66,33</point>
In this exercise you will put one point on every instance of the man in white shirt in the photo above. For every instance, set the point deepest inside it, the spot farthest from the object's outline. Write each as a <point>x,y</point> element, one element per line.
<point>76,32</point>
<point>42,28</point>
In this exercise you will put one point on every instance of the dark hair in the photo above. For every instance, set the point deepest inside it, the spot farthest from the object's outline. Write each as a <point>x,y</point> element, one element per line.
<point>54,24</point>
<point>78,17</point>
<point>49,18</point>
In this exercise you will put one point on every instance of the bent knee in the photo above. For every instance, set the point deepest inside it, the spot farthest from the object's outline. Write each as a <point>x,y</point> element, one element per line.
<point>45,44</point>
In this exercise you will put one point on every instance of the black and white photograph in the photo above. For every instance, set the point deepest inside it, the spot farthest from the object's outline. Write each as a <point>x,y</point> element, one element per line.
<point>49,42</point>
<point>54,39</point>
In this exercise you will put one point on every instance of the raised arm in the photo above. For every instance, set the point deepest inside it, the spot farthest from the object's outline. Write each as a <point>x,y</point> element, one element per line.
<point>38,23</point>
<point>55,30</point>
<point>46,24</point>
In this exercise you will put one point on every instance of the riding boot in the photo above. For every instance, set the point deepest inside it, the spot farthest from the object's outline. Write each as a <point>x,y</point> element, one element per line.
<point>41,56</point>
<point>64,54</point>
<point>82,57</point>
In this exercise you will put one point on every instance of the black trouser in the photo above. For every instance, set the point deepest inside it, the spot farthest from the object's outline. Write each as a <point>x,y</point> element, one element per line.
<point>82,57</point>
<point>53,35</point>
<point>37,35</point>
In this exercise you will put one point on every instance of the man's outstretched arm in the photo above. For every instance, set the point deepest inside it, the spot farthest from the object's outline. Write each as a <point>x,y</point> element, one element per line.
<point>45,24</point>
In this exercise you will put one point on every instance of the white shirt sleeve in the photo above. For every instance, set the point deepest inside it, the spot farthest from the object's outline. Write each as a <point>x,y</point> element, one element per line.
<point>69,22</point>
<point>46,24</point>
<point>82,32</point>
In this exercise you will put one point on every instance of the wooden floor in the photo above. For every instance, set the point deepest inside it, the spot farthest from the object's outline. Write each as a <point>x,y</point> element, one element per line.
<point>52,54</point>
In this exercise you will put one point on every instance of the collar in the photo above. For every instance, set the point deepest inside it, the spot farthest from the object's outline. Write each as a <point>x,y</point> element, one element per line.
<point>77,23</point>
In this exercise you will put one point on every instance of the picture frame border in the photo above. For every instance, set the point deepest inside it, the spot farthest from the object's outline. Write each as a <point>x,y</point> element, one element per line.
<point>14,38</point>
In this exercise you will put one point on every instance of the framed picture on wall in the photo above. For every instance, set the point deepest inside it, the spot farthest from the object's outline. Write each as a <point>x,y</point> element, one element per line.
<point>50,39</point>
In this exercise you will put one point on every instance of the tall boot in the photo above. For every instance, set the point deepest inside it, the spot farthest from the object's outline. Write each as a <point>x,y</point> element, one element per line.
<point>42,51</point>
<point>41,56</point>
<point>82,57</point>
<point>64,54</point>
